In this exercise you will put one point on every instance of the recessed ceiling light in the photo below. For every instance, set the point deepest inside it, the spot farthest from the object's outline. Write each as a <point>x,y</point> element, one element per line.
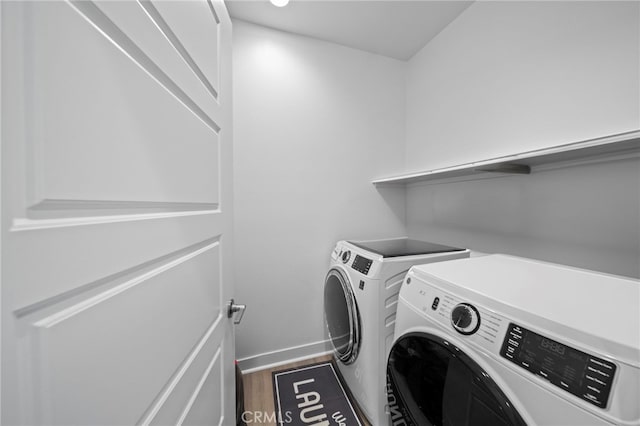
<point>279,3</point>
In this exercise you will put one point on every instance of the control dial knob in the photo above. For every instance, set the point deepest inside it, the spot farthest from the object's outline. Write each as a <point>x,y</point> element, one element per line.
<point>346,255</point>
<point>465,318</point>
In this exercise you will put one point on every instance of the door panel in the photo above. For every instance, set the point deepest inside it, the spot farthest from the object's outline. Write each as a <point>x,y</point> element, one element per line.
<point>122,345</point>
<point>119,245</point>
<point>171,405</point>
<point>190,23</point>
<point>114,117</point>
<point>206,400</point>
<point>134,20</point>
<point>116,214</point>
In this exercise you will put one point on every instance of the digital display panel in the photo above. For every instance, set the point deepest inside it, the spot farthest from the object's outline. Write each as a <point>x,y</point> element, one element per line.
<point>561,362</point>
<point>577,372</point>
<point>361,264</point>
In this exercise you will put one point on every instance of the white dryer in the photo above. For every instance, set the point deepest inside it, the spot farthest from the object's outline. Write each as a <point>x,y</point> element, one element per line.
<point>500,340</point>
<point>360,297</point>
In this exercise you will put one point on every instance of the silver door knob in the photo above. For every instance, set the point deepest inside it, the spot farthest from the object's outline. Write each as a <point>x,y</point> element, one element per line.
<point>234,308</point>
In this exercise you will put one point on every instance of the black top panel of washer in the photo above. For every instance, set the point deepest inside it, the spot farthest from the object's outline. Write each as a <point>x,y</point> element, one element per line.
<point>403,247</point>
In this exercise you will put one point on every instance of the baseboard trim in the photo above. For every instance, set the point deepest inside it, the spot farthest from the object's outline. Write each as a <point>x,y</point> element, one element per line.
<point>284,356</point>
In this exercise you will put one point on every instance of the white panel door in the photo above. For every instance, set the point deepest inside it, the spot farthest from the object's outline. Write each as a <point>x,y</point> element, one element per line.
<point>116,213</point>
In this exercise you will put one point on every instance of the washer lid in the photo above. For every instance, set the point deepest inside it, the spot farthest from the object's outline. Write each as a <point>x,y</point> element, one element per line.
<point>402,247</point>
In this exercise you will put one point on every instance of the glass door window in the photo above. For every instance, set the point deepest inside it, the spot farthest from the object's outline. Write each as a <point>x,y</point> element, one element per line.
<point>341,316</point>
<point>431,382</point>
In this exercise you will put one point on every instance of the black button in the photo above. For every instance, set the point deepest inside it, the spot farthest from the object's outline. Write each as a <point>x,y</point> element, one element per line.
<point>361,286</point>
<point>434,305</point>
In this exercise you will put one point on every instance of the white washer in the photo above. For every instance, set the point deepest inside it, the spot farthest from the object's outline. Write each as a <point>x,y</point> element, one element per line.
<point>360,297</point>
<point>500,340</point>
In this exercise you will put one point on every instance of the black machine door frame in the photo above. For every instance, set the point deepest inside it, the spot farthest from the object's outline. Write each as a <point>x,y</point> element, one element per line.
<point>342,316</point>
<point>430,381</point>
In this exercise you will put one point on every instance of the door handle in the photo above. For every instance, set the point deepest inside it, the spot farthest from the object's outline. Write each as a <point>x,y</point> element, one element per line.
<point>233,308</point>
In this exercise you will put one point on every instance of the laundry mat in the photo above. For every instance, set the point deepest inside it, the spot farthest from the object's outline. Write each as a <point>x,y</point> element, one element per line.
<point>312,395</point>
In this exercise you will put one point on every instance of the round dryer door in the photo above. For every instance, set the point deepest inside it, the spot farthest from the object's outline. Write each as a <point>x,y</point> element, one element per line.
<point>341,315</point>
<point>431,382</point>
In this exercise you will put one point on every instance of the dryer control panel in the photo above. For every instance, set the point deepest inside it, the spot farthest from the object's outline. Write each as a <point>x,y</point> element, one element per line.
<point>362,264</point>
<point>574,371</point>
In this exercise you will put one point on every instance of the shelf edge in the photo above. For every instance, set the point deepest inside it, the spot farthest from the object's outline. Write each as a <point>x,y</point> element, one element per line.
<point>470,169</point>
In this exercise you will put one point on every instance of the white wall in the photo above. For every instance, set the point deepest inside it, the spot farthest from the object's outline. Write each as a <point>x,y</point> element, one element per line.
<point>314,123</point>
<point>507,77</point>
<point>511,76</point>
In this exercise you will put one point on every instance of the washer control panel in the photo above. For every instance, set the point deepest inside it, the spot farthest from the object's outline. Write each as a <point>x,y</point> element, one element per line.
<point>465,318</point>
<point>583,375</point>
<point>362,264</point>
<point>476,324</point>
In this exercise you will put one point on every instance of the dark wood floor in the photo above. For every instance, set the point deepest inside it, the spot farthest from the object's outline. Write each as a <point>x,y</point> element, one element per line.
<point>258,392</point>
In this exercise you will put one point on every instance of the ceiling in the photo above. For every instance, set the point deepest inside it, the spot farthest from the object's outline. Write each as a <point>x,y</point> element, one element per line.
<point>394,28</point>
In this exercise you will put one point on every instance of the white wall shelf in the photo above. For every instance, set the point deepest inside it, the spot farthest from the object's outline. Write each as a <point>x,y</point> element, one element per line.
<point>619,145</point>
